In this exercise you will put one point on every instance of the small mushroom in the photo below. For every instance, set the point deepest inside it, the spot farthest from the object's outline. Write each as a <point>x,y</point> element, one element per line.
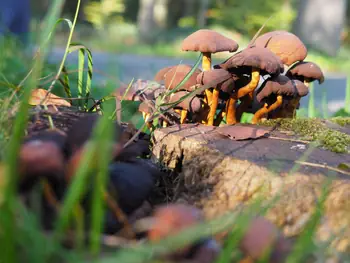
<point>263,239</point>
<point>306,72</point>
<point>146,110</point>
<point>41,156</point>
<point>275,89</point>
<point>169,220</point>
<point>174,75</point>
<point>207,42</point>
<point>287,46</point>
<point>191,104</point>
<point>259,61</point>
<point>139,91</point>
<point>221,80</point>
<point>291,104</point>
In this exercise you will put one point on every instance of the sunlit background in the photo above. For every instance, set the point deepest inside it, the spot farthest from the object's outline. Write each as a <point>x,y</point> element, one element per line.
<point>135,38</point>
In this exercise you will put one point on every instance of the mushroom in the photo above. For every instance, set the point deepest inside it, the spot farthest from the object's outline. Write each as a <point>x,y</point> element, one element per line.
<point>77,137</point>
<point>287,46</point>
<point>172,77</point>
<point>146,110</point>
<point>264,239</point>
<point>139,91</point>
<point>306,72</point>
<point>207,42</point>
<point>169,220</point>
<point>221,80</point>
<point>41,156</point>
<point>272,92</point>
<point>255,61</point>
<point>191,104</point>
<point>291,104</point>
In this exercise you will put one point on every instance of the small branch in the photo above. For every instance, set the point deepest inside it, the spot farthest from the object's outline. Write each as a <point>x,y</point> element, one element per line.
<point>288,139</point>
<point>325,166</point>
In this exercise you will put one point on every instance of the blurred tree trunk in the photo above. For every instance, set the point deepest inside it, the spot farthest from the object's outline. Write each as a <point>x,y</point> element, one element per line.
<point>146,21</point>
<point>320,23</point>
<point>202,14</point>
<point>161,13</point>
<point>131,9</point>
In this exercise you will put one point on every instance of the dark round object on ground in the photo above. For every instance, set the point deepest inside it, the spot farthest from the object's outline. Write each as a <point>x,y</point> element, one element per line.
<point>130,184</point>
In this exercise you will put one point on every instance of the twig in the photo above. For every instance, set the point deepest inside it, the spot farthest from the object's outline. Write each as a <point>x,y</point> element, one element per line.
<point>288,139</point>
<point>325,166</point>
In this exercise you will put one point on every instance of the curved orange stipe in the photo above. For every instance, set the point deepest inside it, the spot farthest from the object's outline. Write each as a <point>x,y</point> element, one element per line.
<point>266,109</point>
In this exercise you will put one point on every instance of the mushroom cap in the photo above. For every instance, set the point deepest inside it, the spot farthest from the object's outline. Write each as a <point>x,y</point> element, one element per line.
<point>161,73</point>
<point>145,107</point>
<point>279,85</point>
<point>191,103</point>
<point>173,218</point>
<point>308,70</point>
<point>177,73</point>
<point>256,57</point>
<point>222,79</point>
<point>302,89</point>
<point>284,44</point>
<point>208,41</point>
<point>139,90</point>
<point>260,236</point>
<point>41,155</point>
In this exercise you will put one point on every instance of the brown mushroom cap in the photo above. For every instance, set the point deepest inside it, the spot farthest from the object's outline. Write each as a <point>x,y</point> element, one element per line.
<point>177,73</point>
<point>279,85</point>
<point>261,236</point>
<point>302,89</point>
<point>221,78</point>
<point>256,57</point>
<point>208,41</point>
<point>139,90</point>
<point>191,103</point>
<point>161,73</point>
<point>308,70</point>
<point>145,107</point>
<point>173,218</point>
<point>284,44</point>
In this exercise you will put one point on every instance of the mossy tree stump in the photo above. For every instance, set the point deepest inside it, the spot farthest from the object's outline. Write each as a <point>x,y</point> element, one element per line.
<point>219,174</point>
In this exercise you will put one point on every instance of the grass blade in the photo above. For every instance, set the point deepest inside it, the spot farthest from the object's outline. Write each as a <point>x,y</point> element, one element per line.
<point>11,168</point>
<point>347,95</point>
<point>311,106</point>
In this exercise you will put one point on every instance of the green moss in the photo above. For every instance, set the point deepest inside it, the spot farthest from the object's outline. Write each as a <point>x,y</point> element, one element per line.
<point>314,130</point>
<point>342,121</point>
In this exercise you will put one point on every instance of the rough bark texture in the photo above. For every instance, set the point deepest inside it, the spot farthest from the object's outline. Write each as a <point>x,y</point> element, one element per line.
<point>320,23</point>
<point>218,174</point>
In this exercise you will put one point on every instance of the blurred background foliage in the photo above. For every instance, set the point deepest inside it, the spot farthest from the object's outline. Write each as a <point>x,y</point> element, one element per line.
<point>157,27</point>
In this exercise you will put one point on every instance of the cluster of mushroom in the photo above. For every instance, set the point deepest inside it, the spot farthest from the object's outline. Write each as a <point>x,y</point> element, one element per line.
<point>52,157</point>
<point>267,78</point>
<point>261,240</point>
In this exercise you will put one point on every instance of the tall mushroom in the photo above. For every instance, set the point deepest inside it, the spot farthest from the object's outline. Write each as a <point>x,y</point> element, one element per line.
<point>272,94</point>
<point>255,61</point>
<point>287,46</point>
<point>220,79</point>
<point>207,42</point>
<point>306,72</point>
<point>191,104</point>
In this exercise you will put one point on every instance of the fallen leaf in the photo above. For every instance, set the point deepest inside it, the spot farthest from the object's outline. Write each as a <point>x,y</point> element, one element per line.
<point>39,94</point>
<point>239,132</point>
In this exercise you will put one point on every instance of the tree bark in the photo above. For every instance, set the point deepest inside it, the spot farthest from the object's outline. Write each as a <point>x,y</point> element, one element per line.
<point>319,24</point>
<point>202,14</point>
<point>146,21</point>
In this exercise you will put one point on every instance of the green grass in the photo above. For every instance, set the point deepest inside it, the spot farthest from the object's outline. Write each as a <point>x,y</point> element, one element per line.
<point>21,235</point>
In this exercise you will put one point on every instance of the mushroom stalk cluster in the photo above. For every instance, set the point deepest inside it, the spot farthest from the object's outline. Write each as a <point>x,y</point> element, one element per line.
<point>267,79</point>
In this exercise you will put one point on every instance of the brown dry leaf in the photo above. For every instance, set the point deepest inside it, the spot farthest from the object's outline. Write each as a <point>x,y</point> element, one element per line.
<point>39,94</point>
<point>239,132</point>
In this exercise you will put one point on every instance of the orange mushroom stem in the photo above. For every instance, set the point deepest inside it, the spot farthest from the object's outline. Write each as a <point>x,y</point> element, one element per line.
<point>206,65</point>
<point>266,109</point>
